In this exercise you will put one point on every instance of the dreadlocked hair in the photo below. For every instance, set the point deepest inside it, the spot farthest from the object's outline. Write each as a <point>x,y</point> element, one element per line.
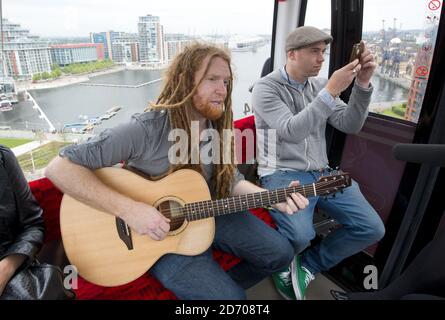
<point>177,99</point>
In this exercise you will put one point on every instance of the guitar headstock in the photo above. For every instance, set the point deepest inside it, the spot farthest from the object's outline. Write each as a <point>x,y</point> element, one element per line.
<point>333,183</point>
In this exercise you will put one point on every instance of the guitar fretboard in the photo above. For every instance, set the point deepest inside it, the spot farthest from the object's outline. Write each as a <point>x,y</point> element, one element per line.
<point>212,208</point>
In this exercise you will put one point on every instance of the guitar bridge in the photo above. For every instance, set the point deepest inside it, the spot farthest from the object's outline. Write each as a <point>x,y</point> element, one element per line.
<point>124,233</point>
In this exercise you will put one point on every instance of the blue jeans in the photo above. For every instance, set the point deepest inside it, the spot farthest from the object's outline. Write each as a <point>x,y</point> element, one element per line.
<point>361,225</point>
<point>264,251</point>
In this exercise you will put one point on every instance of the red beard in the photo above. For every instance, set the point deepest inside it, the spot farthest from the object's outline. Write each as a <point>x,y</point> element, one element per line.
<point>208,110</point>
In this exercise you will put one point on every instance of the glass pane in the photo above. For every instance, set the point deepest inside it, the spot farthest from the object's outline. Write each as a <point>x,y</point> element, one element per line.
<point>318,14</point>
<point>402,36</point>
<point>72,69</point>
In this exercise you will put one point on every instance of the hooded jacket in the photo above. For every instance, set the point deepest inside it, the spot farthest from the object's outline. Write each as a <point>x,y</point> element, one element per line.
<point>21,221</point>
<point>291,123</point>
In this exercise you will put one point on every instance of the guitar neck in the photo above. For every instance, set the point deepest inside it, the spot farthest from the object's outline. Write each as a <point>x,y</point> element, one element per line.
<point>213,208</point>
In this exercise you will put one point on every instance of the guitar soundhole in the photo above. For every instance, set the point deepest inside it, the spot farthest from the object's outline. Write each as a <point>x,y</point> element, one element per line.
<point>172,210</point>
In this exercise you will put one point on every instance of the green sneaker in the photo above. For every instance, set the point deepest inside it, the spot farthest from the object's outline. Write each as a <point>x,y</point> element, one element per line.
<point>300,278</point>
<point>283,284</point>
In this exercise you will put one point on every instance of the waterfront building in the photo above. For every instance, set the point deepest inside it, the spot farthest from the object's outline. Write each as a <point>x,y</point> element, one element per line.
<point>421,72</point>
<point>25,54</point>
<point>174,43</point>
<point>126,48</point>
<point>106,38</point>
<point>151,39</point>
<point>64,54</point>
<point>419,80</point>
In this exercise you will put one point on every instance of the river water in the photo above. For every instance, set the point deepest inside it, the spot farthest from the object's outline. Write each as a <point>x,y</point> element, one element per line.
<point>73,103</point>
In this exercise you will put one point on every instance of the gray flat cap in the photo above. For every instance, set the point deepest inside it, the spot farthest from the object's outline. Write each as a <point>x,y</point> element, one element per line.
<point>305,36</point>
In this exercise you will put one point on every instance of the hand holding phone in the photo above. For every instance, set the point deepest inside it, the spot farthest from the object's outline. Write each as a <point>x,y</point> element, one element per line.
<point>356,52</point>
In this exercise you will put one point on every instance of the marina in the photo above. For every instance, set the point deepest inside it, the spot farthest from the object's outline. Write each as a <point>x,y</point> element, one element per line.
<point>119,85</point>
<point>132,90</point>
<point>90,122</point>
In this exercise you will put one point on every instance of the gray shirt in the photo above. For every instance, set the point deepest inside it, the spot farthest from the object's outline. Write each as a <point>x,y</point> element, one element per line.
<point>142,143</point>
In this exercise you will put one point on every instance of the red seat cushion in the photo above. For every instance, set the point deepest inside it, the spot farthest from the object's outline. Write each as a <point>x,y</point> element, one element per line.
<point>49,198</point>
<point>247,123</point>
<point>143,288</point>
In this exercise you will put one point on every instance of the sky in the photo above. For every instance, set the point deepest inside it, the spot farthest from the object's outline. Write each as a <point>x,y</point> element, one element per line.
<point>410,13</point>
<point>77,18</point>
<point>48,18</point>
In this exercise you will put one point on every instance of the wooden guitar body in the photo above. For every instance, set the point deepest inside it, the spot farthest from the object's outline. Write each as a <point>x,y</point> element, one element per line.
<point>91,238</point>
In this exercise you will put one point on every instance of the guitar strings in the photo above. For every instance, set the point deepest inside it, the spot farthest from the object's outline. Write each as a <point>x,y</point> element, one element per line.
<point>280,192</point>
<point>183,212</point>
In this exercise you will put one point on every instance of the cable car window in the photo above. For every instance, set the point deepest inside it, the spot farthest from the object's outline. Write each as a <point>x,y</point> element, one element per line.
<point>318,14</point>
<point>402,36</point>
<point>61,85</point>
<point>250,49</point>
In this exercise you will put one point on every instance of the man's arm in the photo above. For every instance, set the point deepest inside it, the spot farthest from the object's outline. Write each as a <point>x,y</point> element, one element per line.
<point>350,119</point>
<point>81,183</point>
<point>27,214</point>
<point>8,266</point>
<point>270,107</point>
<point>294,203</point>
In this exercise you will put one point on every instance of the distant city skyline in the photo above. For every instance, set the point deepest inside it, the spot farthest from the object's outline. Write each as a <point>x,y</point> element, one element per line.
<point>64,18</point>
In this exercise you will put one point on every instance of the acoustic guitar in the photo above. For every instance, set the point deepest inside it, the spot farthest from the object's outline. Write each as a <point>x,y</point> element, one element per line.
<point>106,252</point>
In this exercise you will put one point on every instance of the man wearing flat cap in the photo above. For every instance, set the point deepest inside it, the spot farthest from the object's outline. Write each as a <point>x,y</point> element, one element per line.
<point>296,105</point>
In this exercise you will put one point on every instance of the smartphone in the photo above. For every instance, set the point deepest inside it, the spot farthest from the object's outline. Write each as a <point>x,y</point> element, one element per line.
<point>356,52</point>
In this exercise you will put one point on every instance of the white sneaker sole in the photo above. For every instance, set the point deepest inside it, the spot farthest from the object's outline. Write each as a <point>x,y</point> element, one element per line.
<point>295,285</point>
<point>283,295</point>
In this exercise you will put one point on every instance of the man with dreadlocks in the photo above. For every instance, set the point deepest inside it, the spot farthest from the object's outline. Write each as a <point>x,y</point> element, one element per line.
<point>197,87</point>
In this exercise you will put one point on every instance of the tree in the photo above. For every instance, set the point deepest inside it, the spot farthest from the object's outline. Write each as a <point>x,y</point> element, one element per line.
<point>56,73</point>
<point>37,77</point>
<point>45,75</point>
<point>55,67</point>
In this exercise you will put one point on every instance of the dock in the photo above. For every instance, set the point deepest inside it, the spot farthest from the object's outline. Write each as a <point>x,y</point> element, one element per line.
<point>42,114</point>
<point>118,85</point>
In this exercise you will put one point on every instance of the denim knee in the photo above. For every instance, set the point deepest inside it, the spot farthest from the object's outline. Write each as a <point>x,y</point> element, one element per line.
<point>299,232</point>
<point>283,257</point>
<point>373,230</point>
<point>187,287</point>
<point>228,293</point>
<point>222,291</point>
<point>301,240</point>
<point>377,230</point>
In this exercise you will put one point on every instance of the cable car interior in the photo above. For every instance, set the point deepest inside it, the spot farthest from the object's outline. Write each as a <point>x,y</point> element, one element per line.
<point>405,194</point>
<point>397,160</point>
